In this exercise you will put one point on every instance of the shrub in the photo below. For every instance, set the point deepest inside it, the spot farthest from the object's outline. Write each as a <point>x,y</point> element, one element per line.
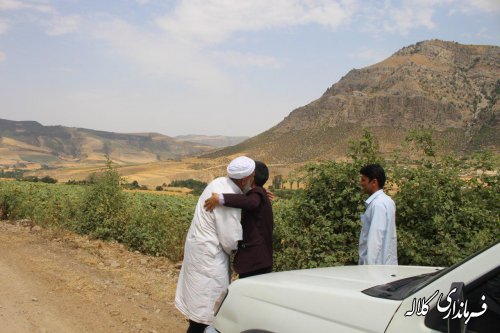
<point>320,225</point>
<point>442,216</point>
<point>158,225</point>
<point>196,185</point>
<point>103,206</point>
<point>45,204</point>
<point>48,180</point>
<point>16,174</point>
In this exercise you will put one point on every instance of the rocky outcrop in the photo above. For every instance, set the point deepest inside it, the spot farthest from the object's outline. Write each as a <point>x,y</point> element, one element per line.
<point>446,86</point>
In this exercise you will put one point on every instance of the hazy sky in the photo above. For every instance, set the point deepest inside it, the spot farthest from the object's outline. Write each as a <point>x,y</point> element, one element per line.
<point>231,67</point>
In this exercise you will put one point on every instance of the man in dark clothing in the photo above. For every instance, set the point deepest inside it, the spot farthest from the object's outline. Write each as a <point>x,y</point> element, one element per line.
<point>255,251</point>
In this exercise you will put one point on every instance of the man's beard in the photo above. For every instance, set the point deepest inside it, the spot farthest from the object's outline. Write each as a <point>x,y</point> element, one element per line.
<point>247,187</point>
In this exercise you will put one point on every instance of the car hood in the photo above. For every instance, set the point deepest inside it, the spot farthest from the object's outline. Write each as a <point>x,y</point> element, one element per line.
<point>333,294</point>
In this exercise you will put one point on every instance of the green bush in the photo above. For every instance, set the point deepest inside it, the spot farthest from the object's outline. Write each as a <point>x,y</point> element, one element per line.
<point>443,213</point>
<point>103,206</point>
<point>11,199</point>
<point>16,174</point>
<point>48,205</point>
<point>35,179</point>
<point>158,224</point>
<point>443,217</point>
<point>320,225</point>
<point>196,185</point>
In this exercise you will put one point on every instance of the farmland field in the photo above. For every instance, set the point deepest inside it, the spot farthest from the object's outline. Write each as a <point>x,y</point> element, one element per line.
<point>149,222</point>
<point>157,173</point>
<point>316,225</point>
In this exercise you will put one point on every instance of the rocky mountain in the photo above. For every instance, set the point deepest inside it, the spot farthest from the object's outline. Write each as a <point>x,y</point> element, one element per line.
<point>446,86</point>
<point>30,142</point>
<point>213,140</point>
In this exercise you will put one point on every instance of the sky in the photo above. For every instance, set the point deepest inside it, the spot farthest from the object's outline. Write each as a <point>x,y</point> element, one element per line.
<point>212,67</point>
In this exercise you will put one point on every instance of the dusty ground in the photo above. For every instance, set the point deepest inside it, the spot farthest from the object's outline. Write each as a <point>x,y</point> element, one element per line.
<point>55,281</point>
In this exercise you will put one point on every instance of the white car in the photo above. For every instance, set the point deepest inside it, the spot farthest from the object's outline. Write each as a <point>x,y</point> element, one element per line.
<point>367,299</point>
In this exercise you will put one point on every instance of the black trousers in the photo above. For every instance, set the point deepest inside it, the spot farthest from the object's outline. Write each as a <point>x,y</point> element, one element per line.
<point>195,327</point>
<point>257,272</point>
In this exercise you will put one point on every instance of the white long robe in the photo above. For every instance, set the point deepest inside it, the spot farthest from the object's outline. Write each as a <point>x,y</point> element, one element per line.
<point>205,271</point>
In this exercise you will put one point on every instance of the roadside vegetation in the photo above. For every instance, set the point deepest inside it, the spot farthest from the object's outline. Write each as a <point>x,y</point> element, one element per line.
<point>196,186</point>
<point>152,224</point>
<point>447,207</point>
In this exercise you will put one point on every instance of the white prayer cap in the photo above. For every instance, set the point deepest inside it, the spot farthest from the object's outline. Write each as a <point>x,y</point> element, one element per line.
<point>240,167</point>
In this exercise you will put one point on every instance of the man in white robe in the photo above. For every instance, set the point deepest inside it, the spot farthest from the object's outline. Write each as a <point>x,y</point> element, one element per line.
<point>211,239</point>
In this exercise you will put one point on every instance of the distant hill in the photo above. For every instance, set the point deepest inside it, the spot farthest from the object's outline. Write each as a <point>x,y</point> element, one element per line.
<point>446,86</point>
<point>213,140</point>
<point>28,142</point>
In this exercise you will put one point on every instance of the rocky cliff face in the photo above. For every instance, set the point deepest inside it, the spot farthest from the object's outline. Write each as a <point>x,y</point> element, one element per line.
<point>446,86</point>
<point>434,83</point>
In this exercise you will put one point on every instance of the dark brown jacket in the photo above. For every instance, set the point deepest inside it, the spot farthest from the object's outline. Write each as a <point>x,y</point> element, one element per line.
<point>255,251</point>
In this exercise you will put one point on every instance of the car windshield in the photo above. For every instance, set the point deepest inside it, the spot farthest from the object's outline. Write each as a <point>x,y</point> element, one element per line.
<point>400,289</point>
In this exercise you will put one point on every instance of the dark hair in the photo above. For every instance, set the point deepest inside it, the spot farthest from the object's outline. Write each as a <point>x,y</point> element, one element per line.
<point>374,171</point>
<point>261,173</point>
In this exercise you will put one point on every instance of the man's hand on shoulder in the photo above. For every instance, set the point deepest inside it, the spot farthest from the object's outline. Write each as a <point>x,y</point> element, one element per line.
<point>211,202</point>
<point>270,195</point>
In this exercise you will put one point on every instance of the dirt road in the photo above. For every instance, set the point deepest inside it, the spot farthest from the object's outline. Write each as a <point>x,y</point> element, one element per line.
<point>55,281</point>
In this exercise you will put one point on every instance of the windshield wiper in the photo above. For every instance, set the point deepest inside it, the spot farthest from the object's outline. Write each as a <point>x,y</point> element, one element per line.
<point>400,289</point>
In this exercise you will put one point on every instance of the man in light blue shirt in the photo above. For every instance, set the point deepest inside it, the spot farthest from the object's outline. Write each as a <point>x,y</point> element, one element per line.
<point>378,241</point>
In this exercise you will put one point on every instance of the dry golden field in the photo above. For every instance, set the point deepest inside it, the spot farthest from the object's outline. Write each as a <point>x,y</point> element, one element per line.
<point>159,173</point>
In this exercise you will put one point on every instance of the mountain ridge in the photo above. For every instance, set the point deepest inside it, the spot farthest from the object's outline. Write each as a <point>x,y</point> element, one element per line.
<point>449,87</point>
<point>31,142</point>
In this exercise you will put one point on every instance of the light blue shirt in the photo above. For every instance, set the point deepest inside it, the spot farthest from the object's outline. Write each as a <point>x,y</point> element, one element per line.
<point>378,241</point>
